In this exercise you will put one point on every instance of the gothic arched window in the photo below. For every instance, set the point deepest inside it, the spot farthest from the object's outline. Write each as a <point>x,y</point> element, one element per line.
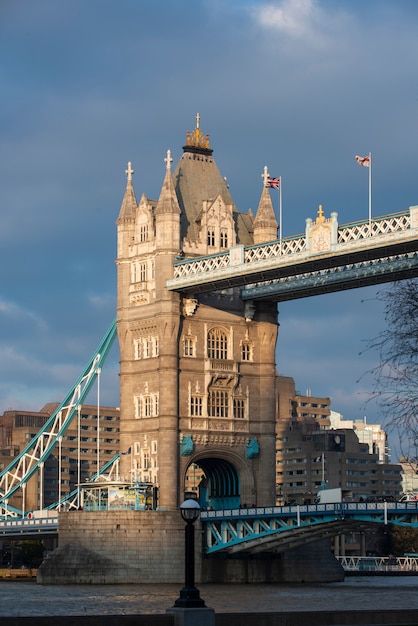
<point>217,344</point>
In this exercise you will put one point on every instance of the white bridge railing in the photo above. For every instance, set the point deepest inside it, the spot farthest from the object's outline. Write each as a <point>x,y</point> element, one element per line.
<point>379,563</point>
<point>355,235</point>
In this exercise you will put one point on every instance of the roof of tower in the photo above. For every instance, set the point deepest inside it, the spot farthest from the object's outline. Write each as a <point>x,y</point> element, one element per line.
<point>129,203</point>
<point>197,179</point>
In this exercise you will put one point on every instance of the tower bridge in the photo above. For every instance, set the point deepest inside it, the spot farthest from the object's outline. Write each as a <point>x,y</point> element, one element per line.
<point>198,283</point>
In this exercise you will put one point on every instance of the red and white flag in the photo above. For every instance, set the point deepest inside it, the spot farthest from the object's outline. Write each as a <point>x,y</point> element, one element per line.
<point>364,161</point>
<point>273,182</point>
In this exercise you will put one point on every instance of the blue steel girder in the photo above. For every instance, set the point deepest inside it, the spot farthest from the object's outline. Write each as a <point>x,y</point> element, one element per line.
<point>331,280</point>
<point>281,528</point>
<point>35,453</point>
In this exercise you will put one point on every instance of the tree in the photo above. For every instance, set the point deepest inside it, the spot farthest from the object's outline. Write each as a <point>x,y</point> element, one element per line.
<point>396,377</point>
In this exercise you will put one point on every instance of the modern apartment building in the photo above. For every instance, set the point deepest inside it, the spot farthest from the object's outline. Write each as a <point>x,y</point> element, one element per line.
<point>75,460</point>
<point>310,454</point>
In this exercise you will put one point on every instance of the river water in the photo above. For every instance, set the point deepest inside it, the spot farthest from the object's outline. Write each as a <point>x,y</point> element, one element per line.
<point>26,598</point>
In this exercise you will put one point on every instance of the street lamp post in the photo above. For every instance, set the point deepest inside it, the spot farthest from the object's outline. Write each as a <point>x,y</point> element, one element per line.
<point>189,595</point>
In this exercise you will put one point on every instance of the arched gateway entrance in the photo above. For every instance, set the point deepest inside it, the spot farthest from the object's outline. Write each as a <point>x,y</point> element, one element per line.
<point>218,483</point>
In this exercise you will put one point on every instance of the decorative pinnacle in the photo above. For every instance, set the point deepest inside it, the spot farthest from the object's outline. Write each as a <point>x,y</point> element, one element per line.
<point>265,175</point>
<point>129,172</point>
<point>196,138</point>
<point>168,160</point>
<point>320,217</point>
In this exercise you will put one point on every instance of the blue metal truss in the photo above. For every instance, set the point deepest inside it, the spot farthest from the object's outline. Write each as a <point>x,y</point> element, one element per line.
<point>34,455</point>
<point>278,528</point>
<point>341,278</point>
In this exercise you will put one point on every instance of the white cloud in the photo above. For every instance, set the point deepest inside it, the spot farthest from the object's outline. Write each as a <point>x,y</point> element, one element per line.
<point>291,17</point>
<point>14,312</point>
<point>304,21</point>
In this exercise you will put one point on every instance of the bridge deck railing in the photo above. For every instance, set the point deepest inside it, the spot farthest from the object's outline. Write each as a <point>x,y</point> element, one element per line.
<point>387,226</point>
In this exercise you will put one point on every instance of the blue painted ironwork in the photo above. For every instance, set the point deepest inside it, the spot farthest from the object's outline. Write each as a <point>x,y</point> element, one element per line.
<point>25,464</point>
<point>341,278</point>
<point>278,528</point>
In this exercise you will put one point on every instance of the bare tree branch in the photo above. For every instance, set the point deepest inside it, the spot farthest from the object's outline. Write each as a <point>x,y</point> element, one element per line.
<point>395,379</point>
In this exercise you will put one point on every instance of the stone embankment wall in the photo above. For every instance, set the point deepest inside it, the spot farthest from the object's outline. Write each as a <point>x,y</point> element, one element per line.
<point>397,617</point>
<point>103,547</point>
<point>108,547</point>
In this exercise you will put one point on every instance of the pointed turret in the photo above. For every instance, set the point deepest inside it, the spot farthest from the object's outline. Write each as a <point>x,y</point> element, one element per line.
<point>167,213</point>
<point>129,203</point>
<point>126,218</point>
<point>265,223</point>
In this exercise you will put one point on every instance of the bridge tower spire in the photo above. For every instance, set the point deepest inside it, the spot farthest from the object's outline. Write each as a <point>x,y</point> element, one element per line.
<point>197,372</point>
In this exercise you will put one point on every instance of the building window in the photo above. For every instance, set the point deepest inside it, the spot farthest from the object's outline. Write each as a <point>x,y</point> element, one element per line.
<point>246,351</point>
<point>143,232</point>
<point>211,237</point>
<point>218,403</point>
<point>217,344</point>
<point>146,405</point>
<point>224,238</point>
<point>189,344</point>
<point>196,406</point>
<point>239,408</point>
<point>146,348</point>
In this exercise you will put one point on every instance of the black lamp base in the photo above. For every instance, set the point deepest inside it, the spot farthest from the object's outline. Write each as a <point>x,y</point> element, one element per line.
<point>189,598</point>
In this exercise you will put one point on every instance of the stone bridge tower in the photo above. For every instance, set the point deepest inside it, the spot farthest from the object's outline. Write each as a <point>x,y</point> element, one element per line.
<point>197,374</point>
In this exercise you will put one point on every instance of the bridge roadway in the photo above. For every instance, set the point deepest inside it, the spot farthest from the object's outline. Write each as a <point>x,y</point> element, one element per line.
<point>328,258</point>
<point>277,528</point>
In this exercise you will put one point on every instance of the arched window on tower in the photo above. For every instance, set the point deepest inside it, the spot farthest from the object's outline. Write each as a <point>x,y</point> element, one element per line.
<point>217,344</point>
<point>224,238</point>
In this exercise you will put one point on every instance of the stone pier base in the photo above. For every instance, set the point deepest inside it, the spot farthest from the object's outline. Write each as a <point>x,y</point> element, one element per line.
<point>148,547</point>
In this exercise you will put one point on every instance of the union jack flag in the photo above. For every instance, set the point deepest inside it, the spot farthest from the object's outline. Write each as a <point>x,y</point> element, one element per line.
<point>364,161</point>
<point>273,182</point>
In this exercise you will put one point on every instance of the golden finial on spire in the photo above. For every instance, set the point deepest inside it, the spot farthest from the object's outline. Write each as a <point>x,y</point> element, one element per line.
<point>196,138</point>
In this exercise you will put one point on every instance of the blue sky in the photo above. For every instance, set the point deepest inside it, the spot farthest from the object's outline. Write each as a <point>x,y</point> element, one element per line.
<point>299,85</point>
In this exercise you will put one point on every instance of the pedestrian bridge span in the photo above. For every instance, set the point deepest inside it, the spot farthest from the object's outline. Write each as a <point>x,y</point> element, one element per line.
<point>327,258</point>
<point>284,527</point>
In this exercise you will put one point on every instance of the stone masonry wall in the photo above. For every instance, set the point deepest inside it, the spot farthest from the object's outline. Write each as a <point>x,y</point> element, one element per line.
<point>118,547</point>
<point>111,547</point>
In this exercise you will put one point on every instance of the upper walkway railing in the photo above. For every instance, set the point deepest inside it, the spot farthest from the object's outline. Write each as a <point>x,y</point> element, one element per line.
<point>365,564</point>
<point>324,245</point>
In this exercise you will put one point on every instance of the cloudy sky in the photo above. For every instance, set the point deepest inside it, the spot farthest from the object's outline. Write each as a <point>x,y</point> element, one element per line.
<point>299,85</point>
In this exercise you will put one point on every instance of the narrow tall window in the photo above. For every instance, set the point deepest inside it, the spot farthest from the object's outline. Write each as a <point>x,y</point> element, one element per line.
<point>188,346</point>
<point>246,351</point>
<point>211,237</point>
<point>239,408</point>
<point>143,232</point>
<point>224,238</point>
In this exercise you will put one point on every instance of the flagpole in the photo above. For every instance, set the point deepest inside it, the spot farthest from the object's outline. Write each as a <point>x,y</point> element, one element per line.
<point>280,212</point>
<point>370,191</point>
